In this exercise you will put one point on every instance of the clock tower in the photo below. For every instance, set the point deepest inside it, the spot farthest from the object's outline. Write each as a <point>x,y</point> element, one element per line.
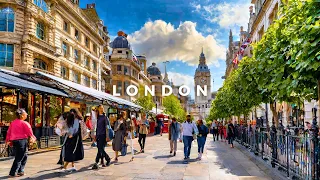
<point>202,77</point>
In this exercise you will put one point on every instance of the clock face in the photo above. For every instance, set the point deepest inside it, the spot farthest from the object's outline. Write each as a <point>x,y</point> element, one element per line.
<point>203,80</point>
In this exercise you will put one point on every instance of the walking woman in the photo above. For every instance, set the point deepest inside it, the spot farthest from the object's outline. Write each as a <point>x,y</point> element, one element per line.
<point>202,137</point>
<point>143,131</point>
<point>101,137</point>
<point>73,148</point>
<point>18,133</point>
<point>130,131</point>
<point>120,131</point>
<point>220,129</point>
<point>230,133</point>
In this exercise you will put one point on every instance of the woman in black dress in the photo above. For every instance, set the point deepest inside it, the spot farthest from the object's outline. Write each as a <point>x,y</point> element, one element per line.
<point>73,148</point>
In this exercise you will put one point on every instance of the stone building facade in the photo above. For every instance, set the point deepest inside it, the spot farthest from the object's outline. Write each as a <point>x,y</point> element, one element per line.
<point>56,37</point>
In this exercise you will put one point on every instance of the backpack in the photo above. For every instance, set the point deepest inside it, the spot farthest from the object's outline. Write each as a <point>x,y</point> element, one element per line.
<point>61,127</point>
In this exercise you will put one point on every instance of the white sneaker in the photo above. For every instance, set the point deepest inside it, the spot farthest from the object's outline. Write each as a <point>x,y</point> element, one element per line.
<point>72,169</point>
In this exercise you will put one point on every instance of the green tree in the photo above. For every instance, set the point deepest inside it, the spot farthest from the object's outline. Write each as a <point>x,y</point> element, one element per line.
<point>145,102</point>
<point>173,107</point>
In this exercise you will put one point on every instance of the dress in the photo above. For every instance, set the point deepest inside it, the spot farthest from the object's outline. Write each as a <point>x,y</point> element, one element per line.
<point>73,147</point>
<point>120,131</point>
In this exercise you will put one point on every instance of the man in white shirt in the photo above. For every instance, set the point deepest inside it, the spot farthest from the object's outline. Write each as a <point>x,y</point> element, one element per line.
<point>214,128</point>
<point>189,129</point>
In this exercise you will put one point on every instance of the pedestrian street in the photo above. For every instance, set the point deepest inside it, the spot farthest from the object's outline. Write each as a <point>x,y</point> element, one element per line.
<point>219,161</point>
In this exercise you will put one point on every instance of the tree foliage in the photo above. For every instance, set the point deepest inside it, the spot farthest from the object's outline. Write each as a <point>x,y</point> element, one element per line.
<point>173,107</point>
<point>145,102</point>
<point>285,65</point>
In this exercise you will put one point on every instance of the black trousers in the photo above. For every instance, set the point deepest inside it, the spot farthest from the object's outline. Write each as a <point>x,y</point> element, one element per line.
<point>101,144</point>
<point>21,156</point>
<point>142,137</point>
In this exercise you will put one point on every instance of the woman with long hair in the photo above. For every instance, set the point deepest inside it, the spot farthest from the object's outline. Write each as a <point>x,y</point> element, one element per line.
<point>73,148</point>
<point>61,124</point>
<point>18,133</point>
<point>143,131</point>
<point>120,131</point>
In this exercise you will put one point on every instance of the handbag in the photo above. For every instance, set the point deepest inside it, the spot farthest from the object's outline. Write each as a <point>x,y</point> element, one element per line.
<point>110,133</point>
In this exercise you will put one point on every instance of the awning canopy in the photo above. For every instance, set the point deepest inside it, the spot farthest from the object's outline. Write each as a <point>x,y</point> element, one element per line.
<point>89,91</point>
<point>12,79</point>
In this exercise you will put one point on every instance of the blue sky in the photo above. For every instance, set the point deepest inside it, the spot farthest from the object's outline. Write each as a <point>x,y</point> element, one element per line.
<point>176,30</point>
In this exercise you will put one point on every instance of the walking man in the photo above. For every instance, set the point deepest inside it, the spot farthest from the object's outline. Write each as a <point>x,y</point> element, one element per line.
<point>214,128</point>
<point>174,130</point>
<point>189,130</point>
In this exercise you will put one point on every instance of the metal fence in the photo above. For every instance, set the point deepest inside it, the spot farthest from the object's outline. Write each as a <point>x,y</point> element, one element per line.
<point>293,151</point>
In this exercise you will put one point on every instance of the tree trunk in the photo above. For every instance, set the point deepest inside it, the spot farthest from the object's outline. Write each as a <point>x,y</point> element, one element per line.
<point>274,113</point>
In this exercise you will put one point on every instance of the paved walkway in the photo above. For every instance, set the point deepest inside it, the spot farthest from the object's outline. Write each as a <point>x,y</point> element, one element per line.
<point>218,162</point>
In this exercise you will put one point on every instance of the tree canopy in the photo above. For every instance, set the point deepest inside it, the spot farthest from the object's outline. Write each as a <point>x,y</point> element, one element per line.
<point>145,102</point>
<point>173,107</point>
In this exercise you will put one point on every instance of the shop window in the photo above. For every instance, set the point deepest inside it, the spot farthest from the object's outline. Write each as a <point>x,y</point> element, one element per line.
<point>64,72</point>
<point>65,49</point>
<point>86,81</point>
<point>6,55</point>
<point>7,19</point>
<point>55,109</point>
<point>41,4</point>
<point>40,64</point>
<point>94,83</point>
<point>38,110</point>
<point>40,31</point>
<point>8,99</point>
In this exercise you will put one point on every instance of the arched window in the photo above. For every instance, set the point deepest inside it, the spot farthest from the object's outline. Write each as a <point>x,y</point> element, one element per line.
<point>40,31</point>
<point>39,64</point>
<point>7,19</point>
<point>41,4</point>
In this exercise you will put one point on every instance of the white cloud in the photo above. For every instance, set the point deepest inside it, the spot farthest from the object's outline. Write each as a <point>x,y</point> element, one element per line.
<point>196,6</point>
<point>161,41</point>
<point>182,79</point>
<point>227,15</point>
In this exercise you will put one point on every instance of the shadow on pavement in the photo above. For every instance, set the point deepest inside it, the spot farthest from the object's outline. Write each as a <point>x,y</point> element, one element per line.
<point>59,174</point>
<point>182,161</point>
<point>162,157</point>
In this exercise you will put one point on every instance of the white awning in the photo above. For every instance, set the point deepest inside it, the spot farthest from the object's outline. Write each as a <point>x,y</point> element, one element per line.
<point>89,91</point>
<point>12,79</point>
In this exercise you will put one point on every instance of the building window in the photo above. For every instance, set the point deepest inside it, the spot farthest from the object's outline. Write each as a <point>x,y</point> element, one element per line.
<point>76,77</point>
<point>126,70</point>
<point>64,72</point>
<point>41,4</point>
<point>120,52</point>
<point>40,31</point>
<point>103,85</point>
<point>87,42</point>
<point>95,49</point>
<point>6,55</point>
<point>86,61</point>
<point>142,66</point>
<point>76,55</point>
<point>94,83</point>
<point>94,65</point>
<point>40,64</point>
<point>119,87</point>
<point>65,49</point>
<point>260,33</point>
<point>86,81</point>
<point>76,34</point>
<point>126,84</point>
<point>65,26</point>
<point>7,19</point>
<point>119,69</point>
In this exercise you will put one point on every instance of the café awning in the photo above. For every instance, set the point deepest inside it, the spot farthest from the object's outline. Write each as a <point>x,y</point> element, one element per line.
<point>12,79</point>
<point>89,91</point>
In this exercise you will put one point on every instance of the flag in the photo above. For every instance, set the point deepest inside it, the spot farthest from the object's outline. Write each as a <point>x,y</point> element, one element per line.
<point>235,60</point>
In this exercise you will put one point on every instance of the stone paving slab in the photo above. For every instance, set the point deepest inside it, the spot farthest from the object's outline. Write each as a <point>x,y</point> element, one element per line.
<point>219,162</point>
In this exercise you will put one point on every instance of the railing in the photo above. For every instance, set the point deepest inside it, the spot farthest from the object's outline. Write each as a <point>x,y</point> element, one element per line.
<point>293,151</point>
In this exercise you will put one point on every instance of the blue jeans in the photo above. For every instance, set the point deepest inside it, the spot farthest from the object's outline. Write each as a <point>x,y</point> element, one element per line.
<point>20,158</point>
<point>187,141</point>
<point>201,142</point>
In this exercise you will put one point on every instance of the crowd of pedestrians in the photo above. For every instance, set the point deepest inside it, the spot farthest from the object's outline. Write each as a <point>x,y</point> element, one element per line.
<point>73,129</point>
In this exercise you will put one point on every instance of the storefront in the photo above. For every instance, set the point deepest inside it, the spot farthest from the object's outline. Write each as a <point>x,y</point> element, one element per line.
<point>43,105</point>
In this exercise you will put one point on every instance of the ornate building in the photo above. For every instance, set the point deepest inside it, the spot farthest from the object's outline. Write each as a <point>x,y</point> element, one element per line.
<point>154,74</point>
<point>202,78</point>
<point>126,67</point>
<point>56,37</point>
